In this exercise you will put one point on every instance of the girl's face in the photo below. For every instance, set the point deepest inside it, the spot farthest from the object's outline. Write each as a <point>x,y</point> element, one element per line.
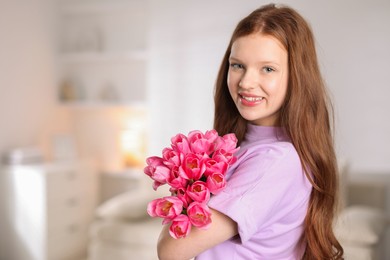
<point>258,77</point>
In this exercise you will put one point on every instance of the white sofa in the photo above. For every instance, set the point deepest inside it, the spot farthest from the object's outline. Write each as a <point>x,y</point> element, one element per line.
<point>360,230</point>
<point>123,230</point>
<point>362,227</point>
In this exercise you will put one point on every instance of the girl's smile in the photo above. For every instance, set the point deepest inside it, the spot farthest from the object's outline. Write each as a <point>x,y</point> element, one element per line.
<point>249,100</point>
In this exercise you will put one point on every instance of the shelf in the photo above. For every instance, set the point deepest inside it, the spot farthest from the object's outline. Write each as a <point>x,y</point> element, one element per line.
<point>102,104</point>
<point>98,7</point>
<point>102,53</point>
<point>128,173</point>
<point>93,57</point>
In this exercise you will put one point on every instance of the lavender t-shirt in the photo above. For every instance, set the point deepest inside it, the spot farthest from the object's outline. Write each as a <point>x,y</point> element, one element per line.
<point>267,196</point>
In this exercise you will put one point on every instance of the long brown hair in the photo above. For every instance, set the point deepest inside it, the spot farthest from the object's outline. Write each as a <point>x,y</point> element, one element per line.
<point>305,115</point>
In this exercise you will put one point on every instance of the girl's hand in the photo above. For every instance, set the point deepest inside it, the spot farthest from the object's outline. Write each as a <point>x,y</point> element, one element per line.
<point>222,228</point>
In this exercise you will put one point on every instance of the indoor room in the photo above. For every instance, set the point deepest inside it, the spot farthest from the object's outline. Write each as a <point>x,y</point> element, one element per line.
<point>91,88</point>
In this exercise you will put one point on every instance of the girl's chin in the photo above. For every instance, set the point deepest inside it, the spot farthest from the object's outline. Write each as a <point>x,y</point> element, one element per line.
<point>260,121</point>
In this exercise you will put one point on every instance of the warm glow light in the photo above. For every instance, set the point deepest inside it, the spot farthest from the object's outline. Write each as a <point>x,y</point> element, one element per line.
<point>133,143</point>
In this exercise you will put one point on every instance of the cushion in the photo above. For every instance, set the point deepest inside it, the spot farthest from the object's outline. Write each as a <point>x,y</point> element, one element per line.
<point>102,250</point>
<point>135,233</point>
<point>130,205</point>
<point>360,224</point>
<point>343,180</point>
<point>359,252</point>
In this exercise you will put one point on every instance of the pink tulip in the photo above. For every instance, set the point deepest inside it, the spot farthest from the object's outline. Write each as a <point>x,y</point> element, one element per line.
<point>211,135</point>
<point>180,144</point>
<point>159,173</point>
<point>183,196</point>
<point>214,166</point>
<point>156,169</point>
<point>157,184</point>
<point>199,192</point>
<point>167,207</point>
<point>175,180</point>
<point>192,167</point>
<point>216,182</point>
<point>199,215</point>
<point>195,135</point>
<point>180,227</point>
<point>227,142</point>
<point>172,157</point>
<point>199,143</point>
<point>154,161</point>
<point>222,155</point>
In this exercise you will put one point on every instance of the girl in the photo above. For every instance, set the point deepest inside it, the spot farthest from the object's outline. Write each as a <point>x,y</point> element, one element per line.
<point>280,199</point>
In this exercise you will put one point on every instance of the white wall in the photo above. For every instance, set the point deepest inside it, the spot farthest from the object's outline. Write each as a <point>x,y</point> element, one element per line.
<point>28,113</point>
<point>28,110</point>
<point>188,39</point>
<point>353,39</point>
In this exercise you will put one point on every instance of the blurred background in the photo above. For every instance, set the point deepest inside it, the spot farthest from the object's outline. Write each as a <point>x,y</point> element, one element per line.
<point>89,88</point>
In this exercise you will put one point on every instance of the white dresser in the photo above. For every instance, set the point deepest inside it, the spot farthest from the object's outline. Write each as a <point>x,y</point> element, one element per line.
<point>46,210</point>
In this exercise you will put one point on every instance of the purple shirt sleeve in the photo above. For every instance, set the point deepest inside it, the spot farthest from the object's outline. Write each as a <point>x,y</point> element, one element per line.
<point>267,186</point>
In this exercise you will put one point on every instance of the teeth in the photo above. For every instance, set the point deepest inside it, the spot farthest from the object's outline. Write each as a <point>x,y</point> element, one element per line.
<point>252,99</point>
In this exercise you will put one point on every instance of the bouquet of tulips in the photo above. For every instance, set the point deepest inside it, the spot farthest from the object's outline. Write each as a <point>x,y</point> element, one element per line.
<point>194,167</point>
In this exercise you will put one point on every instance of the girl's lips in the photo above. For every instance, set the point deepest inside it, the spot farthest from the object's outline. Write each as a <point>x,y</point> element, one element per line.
<point>250,100</point>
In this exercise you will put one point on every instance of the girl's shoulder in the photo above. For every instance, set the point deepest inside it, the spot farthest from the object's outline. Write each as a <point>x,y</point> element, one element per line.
<point>256,160</point>
<point>276,150</point>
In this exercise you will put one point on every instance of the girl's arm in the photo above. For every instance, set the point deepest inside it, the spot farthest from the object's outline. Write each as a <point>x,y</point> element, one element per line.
<point>221,229</point>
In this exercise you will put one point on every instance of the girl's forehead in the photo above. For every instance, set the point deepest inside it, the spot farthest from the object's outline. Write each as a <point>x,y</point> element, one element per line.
<point>258,48</point>
<point>258,38</point>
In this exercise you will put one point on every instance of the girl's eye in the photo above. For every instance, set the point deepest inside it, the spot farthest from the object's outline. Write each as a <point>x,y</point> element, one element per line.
<point>236,66</point>
<point>268,69</point>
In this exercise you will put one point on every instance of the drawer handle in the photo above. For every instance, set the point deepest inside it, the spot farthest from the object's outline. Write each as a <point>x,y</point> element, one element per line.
<point>72,176</point>
<point>73,228</point>
<point>72,202</point>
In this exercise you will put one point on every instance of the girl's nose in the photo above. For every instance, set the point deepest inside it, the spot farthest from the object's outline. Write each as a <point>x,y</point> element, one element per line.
<point>249,80</point>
